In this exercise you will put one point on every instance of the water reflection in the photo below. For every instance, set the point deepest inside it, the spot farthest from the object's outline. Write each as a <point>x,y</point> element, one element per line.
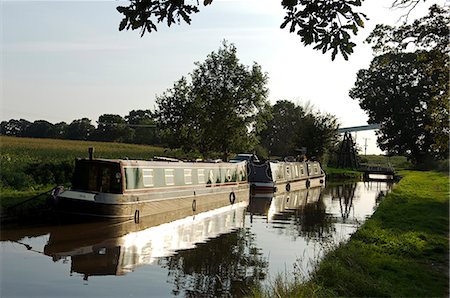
<point>222,252</point>
<point>119,249</point>
<point>302,211</point>
<point>344,194</point>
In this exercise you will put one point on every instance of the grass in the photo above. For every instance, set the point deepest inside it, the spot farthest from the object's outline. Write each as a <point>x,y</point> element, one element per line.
<point>342,174</point>
<point>401,251</point>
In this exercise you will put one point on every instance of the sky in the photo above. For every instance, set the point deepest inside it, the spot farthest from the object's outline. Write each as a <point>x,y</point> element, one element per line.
<point>65,60</point>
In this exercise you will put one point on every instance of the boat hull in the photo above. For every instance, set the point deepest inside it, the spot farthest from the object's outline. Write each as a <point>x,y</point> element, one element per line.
<point>285,176</point>
<point>137,205</point>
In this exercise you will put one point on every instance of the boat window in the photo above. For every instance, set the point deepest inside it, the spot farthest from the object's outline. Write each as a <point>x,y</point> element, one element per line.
<point>316,171</point>
<point>169,176</point>
<point>302,172</point>
<point>97,176</point>
<point>147,177</point>
<point>201,176</point>
<point>296,171</point>
<point>187,176</point>
<point>288,174</point>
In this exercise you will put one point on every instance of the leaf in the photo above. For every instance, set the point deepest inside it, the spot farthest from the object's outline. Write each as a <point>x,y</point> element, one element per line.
<point>123,24</point>
<point>286,21</point>
<point>122,9</point>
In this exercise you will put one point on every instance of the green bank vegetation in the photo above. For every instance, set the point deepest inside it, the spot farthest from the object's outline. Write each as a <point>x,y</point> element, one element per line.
<point>32,166</point>
<point>401,251</point>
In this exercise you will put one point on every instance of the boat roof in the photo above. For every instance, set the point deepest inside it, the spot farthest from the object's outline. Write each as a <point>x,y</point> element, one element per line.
<point>161,162</point>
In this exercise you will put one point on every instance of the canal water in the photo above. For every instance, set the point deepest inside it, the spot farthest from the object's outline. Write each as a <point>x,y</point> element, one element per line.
<point>219,253</point>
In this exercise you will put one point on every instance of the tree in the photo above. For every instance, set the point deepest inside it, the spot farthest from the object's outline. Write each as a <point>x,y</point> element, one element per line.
<point>143,123</point>
<point>279,137</point>
<point>14,127</point>
<point>80,129</point>
<point>293,127</point>
<point>58,130</point>
<point>112,128</point>
<point>407,92</point>
<point>39,129</point>
<point>218,110</point>
<point>318,133</point>
<point>327,25</point>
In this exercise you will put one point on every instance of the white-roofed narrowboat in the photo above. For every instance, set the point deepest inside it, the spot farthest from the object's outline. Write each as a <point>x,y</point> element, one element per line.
<point>285,175</point>
<point>126,189</point>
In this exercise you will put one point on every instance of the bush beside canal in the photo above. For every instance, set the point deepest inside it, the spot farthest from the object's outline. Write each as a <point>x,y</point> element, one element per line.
<point>402,250</point>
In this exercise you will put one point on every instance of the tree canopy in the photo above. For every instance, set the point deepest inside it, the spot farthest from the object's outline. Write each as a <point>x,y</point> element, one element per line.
<point>217,109</point>
<point>326,25</point>
<point>294,127</point>
<point>405,88</point>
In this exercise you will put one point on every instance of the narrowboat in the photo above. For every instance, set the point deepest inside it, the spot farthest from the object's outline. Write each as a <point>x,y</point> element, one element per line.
<point>127,189</point>
<point>271,176</point>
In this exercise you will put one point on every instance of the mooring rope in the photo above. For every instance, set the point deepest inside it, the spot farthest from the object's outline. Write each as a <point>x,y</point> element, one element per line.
<point>32,198</point>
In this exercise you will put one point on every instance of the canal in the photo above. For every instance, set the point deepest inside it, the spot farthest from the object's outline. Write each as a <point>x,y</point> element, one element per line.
<point>222,252</point>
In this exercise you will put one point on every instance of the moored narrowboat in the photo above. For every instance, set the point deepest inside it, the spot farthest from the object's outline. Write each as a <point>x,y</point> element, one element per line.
<point>271,176</point>
<point>127,189</point>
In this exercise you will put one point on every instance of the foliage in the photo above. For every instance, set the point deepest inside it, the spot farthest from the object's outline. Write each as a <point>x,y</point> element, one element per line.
<point>293,127</point>
<point>217,111</point>
<point>80,129</point>
<point>327,25</point>
<point>112,128</point>
<point>407,92</point>
<point>14,127</point>
<point>279,137</point>
<point>143,122</point>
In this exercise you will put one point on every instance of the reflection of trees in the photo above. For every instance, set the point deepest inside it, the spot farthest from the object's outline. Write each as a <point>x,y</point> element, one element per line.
<point>228,265</point>
<point>311,221</point>
<point>345,194</point>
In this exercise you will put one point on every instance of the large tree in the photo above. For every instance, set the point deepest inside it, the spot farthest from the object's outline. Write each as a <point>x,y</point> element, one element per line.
<point>279,137</point>
<point>80,129</point>
<point>112,128</point>
<point>218,109</point>
<point>143,122</point>
<point>294,127</point>
<point>405,88</point>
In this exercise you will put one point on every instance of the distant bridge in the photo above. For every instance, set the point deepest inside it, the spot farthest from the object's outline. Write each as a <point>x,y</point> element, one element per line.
<point>359,128</point>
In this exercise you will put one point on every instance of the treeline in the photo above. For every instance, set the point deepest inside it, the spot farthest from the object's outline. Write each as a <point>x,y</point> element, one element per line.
<point>289,129</point>
<point>138,127</point>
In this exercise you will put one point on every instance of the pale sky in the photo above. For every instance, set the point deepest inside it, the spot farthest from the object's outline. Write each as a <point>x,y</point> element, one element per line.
<point>64,60</point>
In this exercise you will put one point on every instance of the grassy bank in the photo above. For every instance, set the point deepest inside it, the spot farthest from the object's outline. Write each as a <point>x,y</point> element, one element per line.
<point>335,174</point>
<point>401,251</point>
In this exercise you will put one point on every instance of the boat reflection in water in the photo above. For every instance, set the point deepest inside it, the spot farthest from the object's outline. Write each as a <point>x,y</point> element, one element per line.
<point>116,249</point>
<point>279,203</point>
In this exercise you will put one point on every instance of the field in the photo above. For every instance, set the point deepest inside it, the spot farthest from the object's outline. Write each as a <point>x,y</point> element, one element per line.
<point>32,165</point>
